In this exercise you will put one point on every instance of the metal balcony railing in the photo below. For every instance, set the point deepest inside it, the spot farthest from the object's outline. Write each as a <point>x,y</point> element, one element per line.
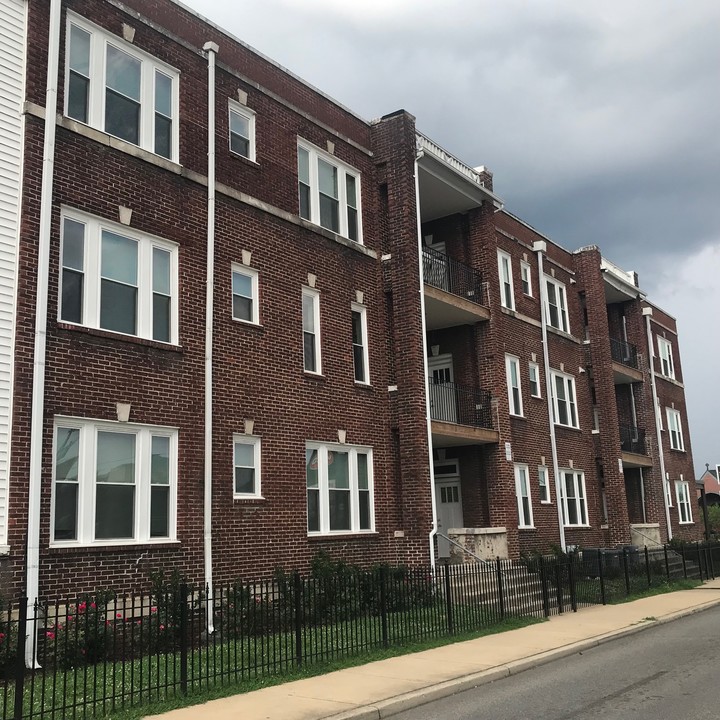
<point>451,275</point>
<point>624,353</point>
<point>450,402</point>
<point>632,439</point>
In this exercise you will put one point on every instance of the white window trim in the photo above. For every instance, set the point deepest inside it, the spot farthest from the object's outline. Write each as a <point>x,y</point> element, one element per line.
<point>254,279</point>
<point>502,255</point>
<point>523,522</point>
<point>99,39</point>
<point>344,169</point>
<point>92,275</point>
<point>562,307</point>
<point>668,492</point>
<point>87,483</point>
<point>510,362</point>
<point>322,450</point>
<point>569,383</point>
<point>665,351</point>
<point>235,107</point>
<point>362,310</point>
<point>579,483</point>
<point>315,295</point>
<point>543,471</point>
<point>684,506</point>
<point>526,277</point>
<point>674,425</point>
<point>256,443</point>
<point>535,366</point>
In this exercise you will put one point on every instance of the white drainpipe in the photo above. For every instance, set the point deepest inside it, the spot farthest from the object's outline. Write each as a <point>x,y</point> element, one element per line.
<point>433,499</point>
<point>647,312</point>
<point>211,49</point>
<point>32,561</point>
<point>540,247</point>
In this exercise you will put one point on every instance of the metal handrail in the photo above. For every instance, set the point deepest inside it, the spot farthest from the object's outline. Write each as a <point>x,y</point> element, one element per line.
<point>469,552</point>
<point>624,352</point>
<point>453,403</point>
<point>632,439</point>
<point>453,276</point>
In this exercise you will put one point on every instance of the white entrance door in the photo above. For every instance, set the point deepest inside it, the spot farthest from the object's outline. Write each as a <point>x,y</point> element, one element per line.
<point>449,510</point>
<point>443,401</point>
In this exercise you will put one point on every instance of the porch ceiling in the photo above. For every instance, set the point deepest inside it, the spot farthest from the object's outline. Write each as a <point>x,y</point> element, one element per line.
<point>444,310</point>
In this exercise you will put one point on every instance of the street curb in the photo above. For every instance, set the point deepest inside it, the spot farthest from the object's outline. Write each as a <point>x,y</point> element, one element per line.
<point>416,698</point>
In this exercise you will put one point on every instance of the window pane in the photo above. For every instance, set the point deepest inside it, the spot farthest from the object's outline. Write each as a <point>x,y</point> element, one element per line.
<point>327,179</point>
<point>239,125</point>
<point>161,318</point>
<point>364,502</point>
<point>362,468</point>
<point>303,166</point>
<point>308,307</point>
<point>245,480</point>
<point>329,213</point>
<point>122,117</point>
<point>114,511</point>
<point>118,307</point>
<point>242,308</point>
<point>160,462</point>
<point>242,284</point>
<point>123,73</point>
<point>313,510</point>
<point>119,258</point>
<point>311,468</point>
<point>79,50</point>
<point>67,444</point>
<point>161,271</point>
<point>357,334</point>
<point>115,458</point>
<point>66,497</point>
<point>159,511</point>
<point>78,89</point>
<point>73,244</point>
<point>339,509</point>
<point>163,136</point>
<point>72,296</point>
<point>163,94</point>
<point>352,224</point>
<point>350,191</point>
<point>359,363</point>
<point>309,352</point>
<point>240,145</point>
<point>244,454</point>
<point>304,201</point>
<point>338,470</point>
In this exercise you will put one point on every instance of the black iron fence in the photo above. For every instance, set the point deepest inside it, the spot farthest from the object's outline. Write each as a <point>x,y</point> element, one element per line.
<point>101,653</point>
<point>632,439</point>
<point>450,402</point>
<point>453,276</point>
<point>624,352</point>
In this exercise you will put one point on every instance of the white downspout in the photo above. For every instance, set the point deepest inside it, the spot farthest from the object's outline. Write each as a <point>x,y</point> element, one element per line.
<point>433,499</point>
<point>647,312</point>
<point>211,49</point>
<point>37,416</point>
<point>540,247</point>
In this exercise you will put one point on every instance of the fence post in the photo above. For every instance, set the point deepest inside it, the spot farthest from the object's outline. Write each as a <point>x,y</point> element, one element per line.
<point>573,588</point>
<point>626,571</point>
<point>448,601</point>
<point>383,605</point>
<point>667,563</point>
<point>183,639</point>
<point>682,554</point>
<point>544,585</point>
<point>297,597</point>
<point>558,587</point>
<point>20,659</point>
<point>501,597</point>
<point>601,572</point>
<point>647,567</point>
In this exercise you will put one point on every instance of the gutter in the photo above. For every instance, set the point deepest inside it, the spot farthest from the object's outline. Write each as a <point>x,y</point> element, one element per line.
<point>32,557</point>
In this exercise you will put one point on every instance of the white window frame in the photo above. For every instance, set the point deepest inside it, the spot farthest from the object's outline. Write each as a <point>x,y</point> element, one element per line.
<point>561,306</point>
<point>86,473</point>
<point>544,485</point>
<point>322,450</point>
<point>362,311</point>
<point>534,379</point>
<point>506,280</point>
<point>570,399</point>
<point>91,293</point>
<point>684,506</point>
<point>513,363</point>
<point>315,296</point>
<point>256,443</point>
<point>314,155</point>
<point>674,424</point>
<point>526,278</point>
<point>99,40</point>
<point>234,107</point>
<point>665,351</point>
<point>254,289</point>
<point>579,498</point>
<point>522,491</point>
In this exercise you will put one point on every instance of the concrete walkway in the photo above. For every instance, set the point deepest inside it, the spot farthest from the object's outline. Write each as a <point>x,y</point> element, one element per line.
<point>384,688</point>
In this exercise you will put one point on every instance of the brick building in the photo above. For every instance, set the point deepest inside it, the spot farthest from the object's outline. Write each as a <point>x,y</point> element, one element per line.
<point>241,325</point>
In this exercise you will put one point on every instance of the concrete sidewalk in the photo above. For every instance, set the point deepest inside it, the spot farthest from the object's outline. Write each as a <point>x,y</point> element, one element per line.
<point>384,688</point>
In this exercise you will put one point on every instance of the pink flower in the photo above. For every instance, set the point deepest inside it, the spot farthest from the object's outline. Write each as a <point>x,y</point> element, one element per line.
<point>69,618</point>
<point>107,622</point>
<point>49,634</point>
<point>2,636</point>
<point>153,609</point>
<point>82,607</point>
<point>162,627</point>
<point>93,605</point>
<point>118,615</point>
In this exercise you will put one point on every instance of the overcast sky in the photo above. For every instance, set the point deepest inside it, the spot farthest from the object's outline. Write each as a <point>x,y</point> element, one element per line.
<point>599,120</point>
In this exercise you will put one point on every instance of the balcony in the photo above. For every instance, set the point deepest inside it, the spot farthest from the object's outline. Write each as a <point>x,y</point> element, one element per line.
<point>624,362</point>
<point>453,292</point>
<point>461,415</point>
<point>633,447</point>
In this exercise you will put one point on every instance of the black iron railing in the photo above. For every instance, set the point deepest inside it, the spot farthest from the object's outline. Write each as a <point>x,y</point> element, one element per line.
<point>450,402</point>
<point>453,276</point>
<point>624,353</point>
<point>632,439</point>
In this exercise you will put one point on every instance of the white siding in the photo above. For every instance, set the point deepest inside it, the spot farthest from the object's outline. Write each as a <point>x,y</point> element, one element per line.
<point>12,70</point>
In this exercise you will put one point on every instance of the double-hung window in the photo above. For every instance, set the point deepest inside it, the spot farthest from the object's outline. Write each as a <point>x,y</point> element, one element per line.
<point>242,130</point>
<point>674,423</point>
<point>556,312</point>
<point>113,483</point>
<point>522,492</point>
<point>667,368</point>
<point>245,294</point>
<point>544,484</point>
<point>113,86</point>
<point>682,493</point>
<point>311,330</point>
<point>246,466</point>
<point>526,279</point>
<point>534,376</point>
<point>507,293</point>
<point>360,344</point>
<point>339,481</point>
<point>574,502</point>
<point>329,192</point>
<point>512,371</point>
<point>114,278</point>
<point>564,403</point>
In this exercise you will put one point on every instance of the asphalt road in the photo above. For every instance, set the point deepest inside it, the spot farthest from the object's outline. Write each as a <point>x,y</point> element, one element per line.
<point>670,672</point>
